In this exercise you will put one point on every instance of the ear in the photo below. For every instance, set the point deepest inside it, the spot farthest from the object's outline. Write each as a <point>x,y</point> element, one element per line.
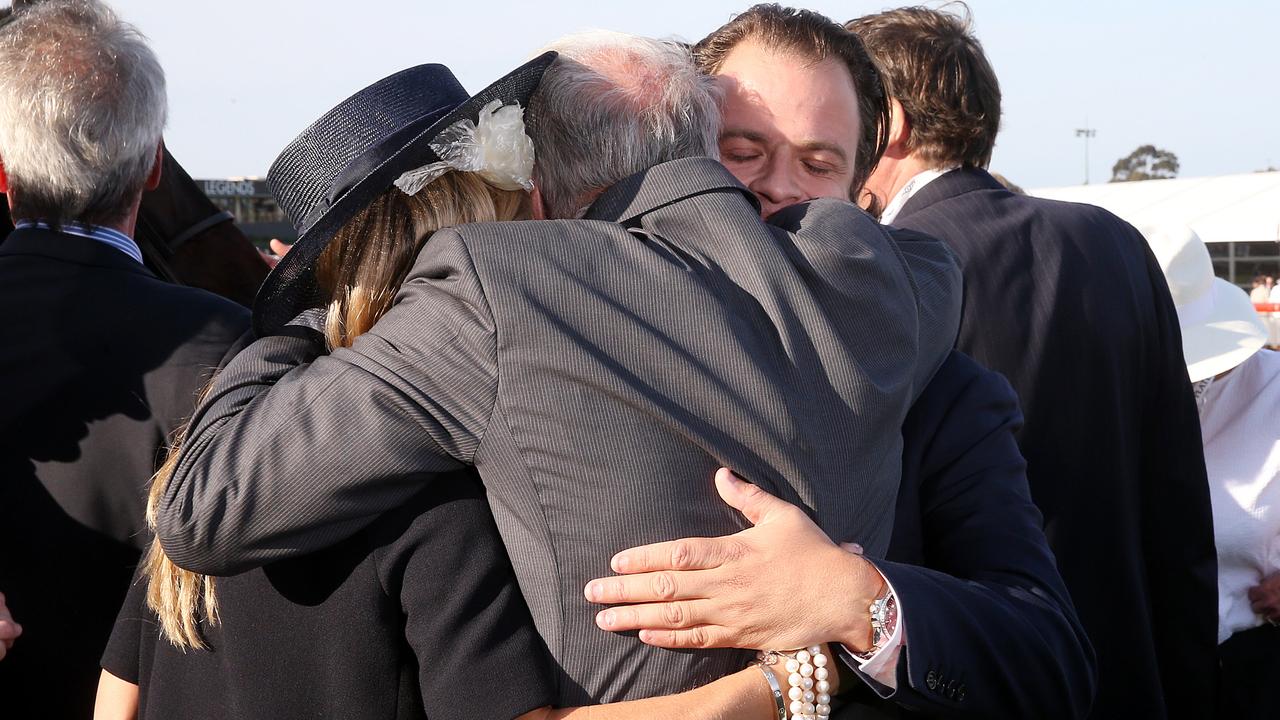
<point>153,179</point>
<point>536,204</point>
<point>4,179</point>
<point>899,128</point>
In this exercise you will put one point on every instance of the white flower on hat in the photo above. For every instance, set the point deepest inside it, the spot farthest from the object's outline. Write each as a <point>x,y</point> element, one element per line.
<point>496,148</point>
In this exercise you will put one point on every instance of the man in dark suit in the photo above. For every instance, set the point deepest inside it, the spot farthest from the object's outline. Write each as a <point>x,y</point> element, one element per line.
<point>103,360</point>
<point>988,627</point>
<point>1069,304</point>
<point>596,371</point>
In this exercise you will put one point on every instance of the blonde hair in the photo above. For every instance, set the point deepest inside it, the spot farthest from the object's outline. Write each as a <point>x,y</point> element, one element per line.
<point>360,271</point>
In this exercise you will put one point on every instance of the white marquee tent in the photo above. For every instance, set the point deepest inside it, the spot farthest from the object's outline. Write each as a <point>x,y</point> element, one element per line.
<point>1233,214</point>
<point>1227,208</point>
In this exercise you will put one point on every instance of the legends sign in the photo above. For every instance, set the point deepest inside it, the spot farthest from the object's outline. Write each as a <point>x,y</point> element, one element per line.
<point>234,188</point>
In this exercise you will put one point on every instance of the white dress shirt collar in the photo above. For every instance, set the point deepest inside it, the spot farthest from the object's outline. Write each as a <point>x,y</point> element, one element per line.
<point>106,235</point>
<point>913,186</point>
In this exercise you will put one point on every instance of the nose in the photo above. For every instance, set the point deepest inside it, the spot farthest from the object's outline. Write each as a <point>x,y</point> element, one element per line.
<point>776,187</point>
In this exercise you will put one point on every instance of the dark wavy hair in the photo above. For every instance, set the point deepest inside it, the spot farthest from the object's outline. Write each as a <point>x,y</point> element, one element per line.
<point>934,66</point>
<point>815,38</point>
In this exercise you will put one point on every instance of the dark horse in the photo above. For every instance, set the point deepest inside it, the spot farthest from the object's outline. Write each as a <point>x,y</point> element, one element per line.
<point>188,240</point>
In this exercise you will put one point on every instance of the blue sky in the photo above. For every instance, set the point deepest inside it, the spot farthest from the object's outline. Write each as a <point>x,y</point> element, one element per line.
<point>1196,78</point>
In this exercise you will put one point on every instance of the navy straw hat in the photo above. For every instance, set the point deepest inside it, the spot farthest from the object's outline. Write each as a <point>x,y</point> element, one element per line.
<point>353,153</point>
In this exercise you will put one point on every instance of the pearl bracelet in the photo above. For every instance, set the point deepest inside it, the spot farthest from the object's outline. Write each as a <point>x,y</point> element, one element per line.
<point>809,692</point>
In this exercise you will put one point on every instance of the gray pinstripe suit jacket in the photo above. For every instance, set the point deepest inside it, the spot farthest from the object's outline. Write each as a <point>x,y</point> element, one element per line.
<point>596,372</point>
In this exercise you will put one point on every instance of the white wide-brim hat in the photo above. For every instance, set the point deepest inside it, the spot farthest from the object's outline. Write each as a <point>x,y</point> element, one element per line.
<point>1220,328</point>
<point>1228,334</point>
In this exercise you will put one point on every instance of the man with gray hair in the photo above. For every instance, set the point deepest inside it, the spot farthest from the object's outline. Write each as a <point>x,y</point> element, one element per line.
<point>597,368</point>
<point>104,359</point>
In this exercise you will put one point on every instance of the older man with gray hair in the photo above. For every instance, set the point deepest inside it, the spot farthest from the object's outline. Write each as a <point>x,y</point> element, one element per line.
<point>104,359</point>
<point>597,368</point>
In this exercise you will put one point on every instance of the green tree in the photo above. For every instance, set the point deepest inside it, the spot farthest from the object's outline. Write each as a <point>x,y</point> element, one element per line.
<point>1146,163</point>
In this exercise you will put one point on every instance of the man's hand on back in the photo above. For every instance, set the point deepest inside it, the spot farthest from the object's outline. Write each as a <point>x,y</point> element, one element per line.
<point>779,585</point>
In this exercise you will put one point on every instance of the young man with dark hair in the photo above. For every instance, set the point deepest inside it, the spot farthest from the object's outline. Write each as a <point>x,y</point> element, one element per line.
<point>807,35</point>
<point>1070,305</point>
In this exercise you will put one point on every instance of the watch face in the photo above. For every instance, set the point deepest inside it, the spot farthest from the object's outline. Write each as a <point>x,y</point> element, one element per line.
<point>884,620</point>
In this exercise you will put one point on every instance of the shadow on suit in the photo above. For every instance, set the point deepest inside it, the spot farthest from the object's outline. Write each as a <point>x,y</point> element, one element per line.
<point>107,367</point>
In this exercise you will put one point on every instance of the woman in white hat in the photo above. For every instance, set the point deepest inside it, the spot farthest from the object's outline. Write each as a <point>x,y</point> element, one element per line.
<point>1237,388</point>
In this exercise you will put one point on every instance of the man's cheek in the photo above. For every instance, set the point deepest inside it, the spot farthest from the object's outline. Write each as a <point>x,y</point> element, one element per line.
<point>836,189</point>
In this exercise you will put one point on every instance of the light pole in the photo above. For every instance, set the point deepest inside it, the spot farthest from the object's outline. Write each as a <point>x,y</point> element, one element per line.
<point>1086,133</point>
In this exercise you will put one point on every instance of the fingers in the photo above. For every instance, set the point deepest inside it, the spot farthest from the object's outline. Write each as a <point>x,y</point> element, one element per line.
<point>279,247</point>
<point>851,547</point>
<point>685,554</point>
<point>701,637</point>
<point>654,616</point>
<point>9,631</point>
<point>1263,601</point>
<point>757,505</point>
<point>648,587</point>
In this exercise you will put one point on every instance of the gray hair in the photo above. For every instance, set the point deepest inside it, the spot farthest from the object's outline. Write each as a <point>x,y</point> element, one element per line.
<point>82,111</point>
<point>611,106</point>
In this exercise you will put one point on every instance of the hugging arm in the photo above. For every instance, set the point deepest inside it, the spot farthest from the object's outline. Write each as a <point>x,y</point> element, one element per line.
<point>474,637</point>
<point>989,628</point>
<point>991,631</point>
<point>292,451</point>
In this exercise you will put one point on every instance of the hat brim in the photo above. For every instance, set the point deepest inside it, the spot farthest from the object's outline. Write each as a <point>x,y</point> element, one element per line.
<point>1227,337</point>
<point>288,290</point>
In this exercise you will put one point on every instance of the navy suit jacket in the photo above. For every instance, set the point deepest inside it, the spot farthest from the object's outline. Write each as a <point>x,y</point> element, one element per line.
<point>101,364</point>
<point>991,632</point>
<point>1069,304</point>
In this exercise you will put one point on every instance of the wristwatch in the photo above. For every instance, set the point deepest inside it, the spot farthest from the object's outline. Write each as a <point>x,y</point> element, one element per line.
<point>884,620</point>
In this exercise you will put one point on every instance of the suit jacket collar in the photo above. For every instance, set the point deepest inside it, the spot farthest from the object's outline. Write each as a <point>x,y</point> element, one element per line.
<point>69,248</point>
<point>957,182</point>
<point>663,184</point>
